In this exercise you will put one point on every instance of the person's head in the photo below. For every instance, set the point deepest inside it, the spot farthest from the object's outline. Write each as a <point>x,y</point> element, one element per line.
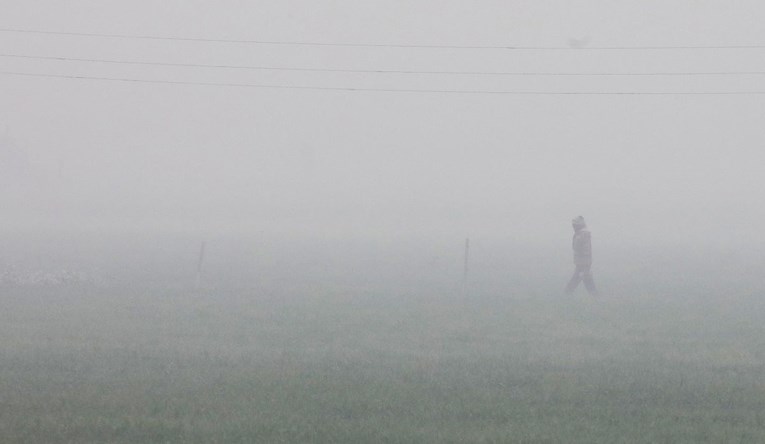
<point>578,223</point>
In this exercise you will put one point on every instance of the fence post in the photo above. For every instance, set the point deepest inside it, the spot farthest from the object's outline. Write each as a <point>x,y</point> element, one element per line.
<point>199,265</point>
<point>466,268</point>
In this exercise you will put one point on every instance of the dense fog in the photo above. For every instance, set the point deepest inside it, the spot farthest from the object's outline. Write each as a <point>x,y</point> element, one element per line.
<point>90,156</point>
<point>300,221</point>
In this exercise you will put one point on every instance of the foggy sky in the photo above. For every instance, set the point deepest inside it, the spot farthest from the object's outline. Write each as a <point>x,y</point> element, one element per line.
<point>97,155</point>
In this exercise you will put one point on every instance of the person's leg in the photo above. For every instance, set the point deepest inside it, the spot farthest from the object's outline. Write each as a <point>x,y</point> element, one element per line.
<point>574,282</point>
<point>589,282</point>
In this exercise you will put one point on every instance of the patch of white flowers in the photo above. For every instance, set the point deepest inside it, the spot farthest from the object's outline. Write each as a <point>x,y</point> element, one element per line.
<point>16,277</point>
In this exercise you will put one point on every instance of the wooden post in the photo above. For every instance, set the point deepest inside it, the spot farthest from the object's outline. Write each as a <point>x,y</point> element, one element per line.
<point>466,268</point>
<point>199,265</point>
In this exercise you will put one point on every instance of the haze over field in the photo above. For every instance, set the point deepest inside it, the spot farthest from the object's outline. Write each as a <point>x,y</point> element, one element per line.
<point>247,221</point>
<point>107,155</point>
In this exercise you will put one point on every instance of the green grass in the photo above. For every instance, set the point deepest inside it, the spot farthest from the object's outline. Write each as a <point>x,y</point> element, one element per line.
<point>346,365</point>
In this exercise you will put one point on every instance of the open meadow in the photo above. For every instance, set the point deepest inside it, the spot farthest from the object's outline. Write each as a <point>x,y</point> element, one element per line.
<point>345,360</point>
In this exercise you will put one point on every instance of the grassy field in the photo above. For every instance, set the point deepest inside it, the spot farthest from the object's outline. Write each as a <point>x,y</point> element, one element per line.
<point>345,364</point>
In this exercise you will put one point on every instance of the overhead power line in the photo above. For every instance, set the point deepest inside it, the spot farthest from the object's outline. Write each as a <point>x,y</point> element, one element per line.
<point>375,45</point>
<point>391,90</point>
<point>385,71</point>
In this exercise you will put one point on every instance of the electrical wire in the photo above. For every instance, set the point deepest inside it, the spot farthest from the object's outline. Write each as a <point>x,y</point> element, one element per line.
<point>379,45</point>
<point>390,90</point>
<point>385,71</point>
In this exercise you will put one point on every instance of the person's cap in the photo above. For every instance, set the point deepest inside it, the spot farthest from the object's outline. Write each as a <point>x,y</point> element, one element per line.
<point>578,221</point>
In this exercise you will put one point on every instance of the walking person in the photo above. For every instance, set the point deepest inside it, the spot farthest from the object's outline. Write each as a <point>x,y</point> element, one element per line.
<point>582,245</point>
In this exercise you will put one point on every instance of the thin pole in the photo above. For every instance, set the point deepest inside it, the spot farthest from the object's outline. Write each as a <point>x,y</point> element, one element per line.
<point>199,265</point>
<point>466,268</point>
